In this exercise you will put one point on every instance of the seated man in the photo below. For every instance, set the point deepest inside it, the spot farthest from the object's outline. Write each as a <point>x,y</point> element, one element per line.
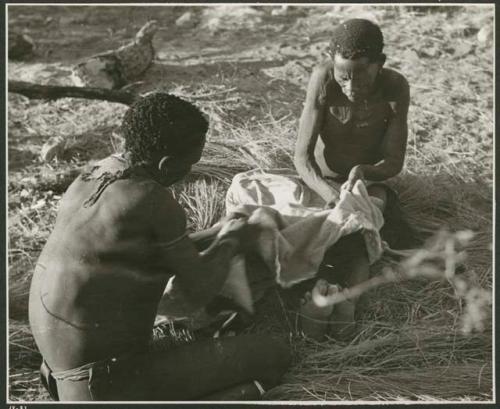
<point>118,238</point>
<point>353,126</point>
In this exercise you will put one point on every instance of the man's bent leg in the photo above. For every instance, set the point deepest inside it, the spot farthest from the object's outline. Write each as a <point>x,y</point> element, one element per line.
<point>210,366</point>
<point>199,369</point>
<point>378,190</point>
<point>345,263</point>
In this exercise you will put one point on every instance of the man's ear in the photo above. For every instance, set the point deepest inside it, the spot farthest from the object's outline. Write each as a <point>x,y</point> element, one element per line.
<point>163,162</point>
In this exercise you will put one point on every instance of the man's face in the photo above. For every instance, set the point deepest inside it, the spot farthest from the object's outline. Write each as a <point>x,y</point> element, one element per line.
<point>177,167</point>
<point>356,76</point>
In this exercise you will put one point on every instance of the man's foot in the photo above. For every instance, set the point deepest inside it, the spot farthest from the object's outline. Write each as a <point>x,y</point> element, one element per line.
<point>314,314</point>
<point>246,391</point>
<point>342,323</point>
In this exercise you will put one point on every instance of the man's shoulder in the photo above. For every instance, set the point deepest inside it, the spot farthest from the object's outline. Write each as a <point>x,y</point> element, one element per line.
<point>148,202</point>
<point>167,215</point>
<point>322,73</point>
<point>322,84</point>
<point>143,192</point>
<point>324,68</point>
<point>394,84</point>
<point>132,196</point>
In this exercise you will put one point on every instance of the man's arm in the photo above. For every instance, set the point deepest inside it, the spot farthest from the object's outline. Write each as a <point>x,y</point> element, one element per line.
<point>394,145</point>
<point>200,278</point>
<point>309,127</point>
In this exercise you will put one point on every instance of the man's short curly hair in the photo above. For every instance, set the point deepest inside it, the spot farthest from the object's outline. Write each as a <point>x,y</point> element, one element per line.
<point>162,124</point>
<point>357,38</point>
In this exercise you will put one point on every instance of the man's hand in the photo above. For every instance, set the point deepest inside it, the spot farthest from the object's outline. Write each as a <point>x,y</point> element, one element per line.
<point>246,233</point>
<point>331,203</point>
<point>355,174</point>
<point>232,216</point>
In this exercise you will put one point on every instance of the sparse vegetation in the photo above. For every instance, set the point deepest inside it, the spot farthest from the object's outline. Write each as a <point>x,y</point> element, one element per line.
<point>418,339</point>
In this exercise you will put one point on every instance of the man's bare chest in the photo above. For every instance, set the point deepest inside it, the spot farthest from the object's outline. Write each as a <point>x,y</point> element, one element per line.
<point>364,123</point>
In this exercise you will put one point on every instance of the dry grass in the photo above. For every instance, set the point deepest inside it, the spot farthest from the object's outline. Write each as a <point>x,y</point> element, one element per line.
<point>410,345</point>
<point>388,364</point>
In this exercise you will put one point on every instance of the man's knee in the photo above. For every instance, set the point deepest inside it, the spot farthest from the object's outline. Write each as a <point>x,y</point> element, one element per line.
<point>348,246</point>
<point>283,354</point>
<point>378,191</point>
<point>280,358</point>
<point>275,354</point>
<point>342,258</point>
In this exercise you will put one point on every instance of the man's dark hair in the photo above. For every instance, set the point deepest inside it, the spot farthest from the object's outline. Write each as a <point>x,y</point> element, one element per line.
<point>357,38</point>
<point>162,124</point>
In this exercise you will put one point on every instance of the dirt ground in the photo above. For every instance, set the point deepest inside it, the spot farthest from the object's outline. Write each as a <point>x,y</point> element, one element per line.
<point>247,68</point>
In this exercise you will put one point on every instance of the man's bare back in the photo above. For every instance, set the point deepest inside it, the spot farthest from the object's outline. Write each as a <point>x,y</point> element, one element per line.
<point>112,292</point>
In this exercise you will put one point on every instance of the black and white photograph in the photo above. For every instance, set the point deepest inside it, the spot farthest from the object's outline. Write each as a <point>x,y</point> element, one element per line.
<point>250,203</point>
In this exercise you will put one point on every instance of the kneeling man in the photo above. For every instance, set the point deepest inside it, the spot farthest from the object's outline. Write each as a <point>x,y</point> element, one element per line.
<point>119,237</point>
<point>353,126</point>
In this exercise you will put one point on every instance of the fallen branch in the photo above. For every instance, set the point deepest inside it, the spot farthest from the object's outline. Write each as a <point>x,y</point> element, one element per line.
<point>437,260</point>
<point>50,92</point>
